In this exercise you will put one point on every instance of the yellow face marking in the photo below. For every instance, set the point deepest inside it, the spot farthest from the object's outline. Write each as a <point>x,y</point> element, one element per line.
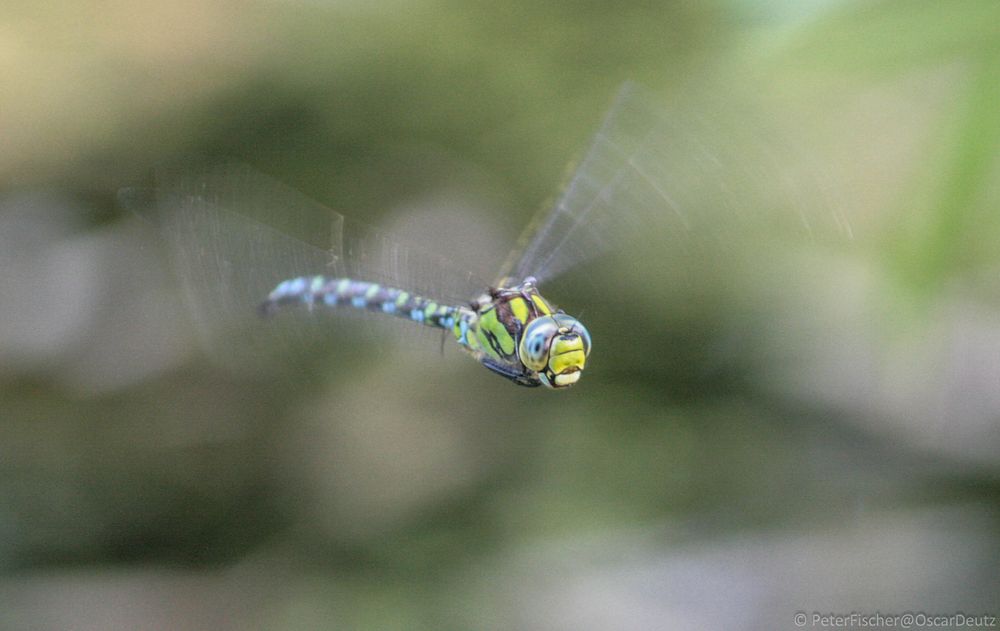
<point>567,379</point>
<point>562,345</point>
<point>572,359</point>
<point>541,305</point>
<point>520,309</point>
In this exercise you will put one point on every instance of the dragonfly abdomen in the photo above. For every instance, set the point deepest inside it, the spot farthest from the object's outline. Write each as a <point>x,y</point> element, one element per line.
<point>322,291</point>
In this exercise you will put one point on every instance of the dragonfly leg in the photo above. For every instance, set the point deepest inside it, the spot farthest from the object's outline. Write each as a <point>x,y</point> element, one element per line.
<point>519,377</point>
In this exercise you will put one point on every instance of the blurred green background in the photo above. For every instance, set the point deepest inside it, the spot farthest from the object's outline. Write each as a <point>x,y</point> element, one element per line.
<point>811,426</point>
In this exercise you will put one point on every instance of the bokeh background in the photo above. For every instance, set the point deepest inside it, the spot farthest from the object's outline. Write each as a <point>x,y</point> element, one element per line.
<point>808,425</point>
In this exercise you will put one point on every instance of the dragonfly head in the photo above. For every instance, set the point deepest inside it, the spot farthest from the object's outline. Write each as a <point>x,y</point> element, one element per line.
<point>555,347</point>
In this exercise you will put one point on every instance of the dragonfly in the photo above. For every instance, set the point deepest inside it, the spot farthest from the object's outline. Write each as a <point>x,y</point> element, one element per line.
<point>644,173</point>
<point>510,329</point>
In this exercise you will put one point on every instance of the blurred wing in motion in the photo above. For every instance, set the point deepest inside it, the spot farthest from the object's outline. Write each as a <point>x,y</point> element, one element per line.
<point>691,173</point>
<point>227,234</point>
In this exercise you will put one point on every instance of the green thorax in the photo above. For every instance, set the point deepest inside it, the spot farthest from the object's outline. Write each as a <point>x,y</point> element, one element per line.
<point>495,321</point>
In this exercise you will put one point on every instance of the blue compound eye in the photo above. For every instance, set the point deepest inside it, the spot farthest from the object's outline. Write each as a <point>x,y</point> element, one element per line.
<point>582,331</point>
<point>535,342</point>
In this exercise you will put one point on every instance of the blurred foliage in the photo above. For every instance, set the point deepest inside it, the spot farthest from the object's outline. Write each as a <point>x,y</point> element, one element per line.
<point>795,426</point>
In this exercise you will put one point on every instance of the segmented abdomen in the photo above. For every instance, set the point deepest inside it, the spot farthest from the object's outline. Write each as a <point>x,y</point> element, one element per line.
<point>336,292</point>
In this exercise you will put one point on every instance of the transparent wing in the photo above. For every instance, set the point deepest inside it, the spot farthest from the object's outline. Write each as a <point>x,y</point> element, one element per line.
<point>228,236</point>
<point>694,171</point>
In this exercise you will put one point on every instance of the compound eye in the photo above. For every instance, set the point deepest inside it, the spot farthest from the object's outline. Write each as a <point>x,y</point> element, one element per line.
<point>579,328</point>
<point>535,342</point>
<point>536,346</point>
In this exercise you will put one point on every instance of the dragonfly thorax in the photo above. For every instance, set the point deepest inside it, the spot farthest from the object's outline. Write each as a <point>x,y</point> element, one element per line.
<point>515,332</point>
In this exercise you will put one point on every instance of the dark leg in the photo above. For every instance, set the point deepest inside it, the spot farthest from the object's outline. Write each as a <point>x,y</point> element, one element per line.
<point>504,370</point>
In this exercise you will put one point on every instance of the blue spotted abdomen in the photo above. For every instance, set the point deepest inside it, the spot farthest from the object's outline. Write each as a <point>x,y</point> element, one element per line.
<point>321,291</point>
